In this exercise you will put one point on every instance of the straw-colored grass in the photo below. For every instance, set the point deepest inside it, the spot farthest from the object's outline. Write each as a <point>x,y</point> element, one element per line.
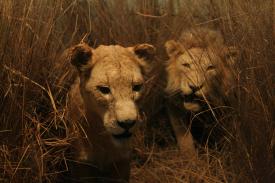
<point>34,139</point>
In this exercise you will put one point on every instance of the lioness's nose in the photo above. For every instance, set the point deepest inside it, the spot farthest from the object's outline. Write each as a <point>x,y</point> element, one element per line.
<point>126,124</point>
<point>195,88</point>
<point>126,110</point>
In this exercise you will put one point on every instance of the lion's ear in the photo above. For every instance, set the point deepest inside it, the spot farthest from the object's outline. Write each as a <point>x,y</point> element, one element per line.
<point>173,48</point>
<point>145,51</point>
<point>80,55</point>
<point>231,55</point>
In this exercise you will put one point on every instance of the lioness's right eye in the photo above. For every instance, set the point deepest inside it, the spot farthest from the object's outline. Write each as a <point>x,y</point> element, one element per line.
<point>137,87</point>
<point>104,89</point>
<point>186,65</point>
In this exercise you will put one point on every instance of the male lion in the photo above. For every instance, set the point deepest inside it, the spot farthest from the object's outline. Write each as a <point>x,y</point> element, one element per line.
<point>199,78</point>
<point>107,94</point>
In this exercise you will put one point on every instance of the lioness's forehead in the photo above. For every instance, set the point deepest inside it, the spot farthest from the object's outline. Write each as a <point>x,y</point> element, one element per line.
<point>112,52</point>
<point>115,64</point>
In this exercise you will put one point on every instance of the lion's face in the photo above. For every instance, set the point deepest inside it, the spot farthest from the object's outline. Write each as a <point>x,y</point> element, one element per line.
<point>197,68</point>
<point>111,83</point>
<point>199,74</point>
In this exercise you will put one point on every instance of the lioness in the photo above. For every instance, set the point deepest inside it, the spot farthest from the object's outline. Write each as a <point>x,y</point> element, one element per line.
<point>200,76</point>
<point>107,93</point>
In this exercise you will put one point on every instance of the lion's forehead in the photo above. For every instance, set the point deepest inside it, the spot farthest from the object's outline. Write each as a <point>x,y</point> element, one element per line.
<point>199,57</point>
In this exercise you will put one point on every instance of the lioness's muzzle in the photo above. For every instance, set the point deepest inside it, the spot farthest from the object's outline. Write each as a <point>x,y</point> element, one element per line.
<point>126,124</point>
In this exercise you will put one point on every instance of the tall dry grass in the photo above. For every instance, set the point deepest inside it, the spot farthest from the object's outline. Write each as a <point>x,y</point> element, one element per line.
<point>34,140</point>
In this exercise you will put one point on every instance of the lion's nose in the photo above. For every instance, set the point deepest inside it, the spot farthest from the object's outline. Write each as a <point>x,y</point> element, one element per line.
<point>127,124</point>
<point>195,88</point>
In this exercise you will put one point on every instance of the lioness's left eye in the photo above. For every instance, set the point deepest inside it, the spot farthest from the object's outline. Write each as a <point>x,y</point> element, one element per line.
<point>137,87</point>
<point>211,67</point>
<point>104,89</point>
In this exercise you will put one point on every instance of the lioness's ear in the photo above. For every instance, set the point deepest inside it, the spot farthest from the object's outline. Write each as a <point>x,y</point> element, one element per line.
<point>173,48</point>
<point>80,55</point>
<point>231,55</point>
<point>145,51</point>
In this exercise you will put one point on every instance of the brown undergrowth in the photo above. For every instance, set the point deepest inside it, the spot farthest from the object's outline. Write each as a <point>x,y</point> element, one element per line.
<point>34,139</point>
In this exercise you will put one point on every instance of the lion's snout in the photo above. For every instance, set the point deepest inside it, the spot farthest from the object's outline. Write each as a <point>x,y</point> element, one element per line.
<point>192,89</point>
<point>195,88</point>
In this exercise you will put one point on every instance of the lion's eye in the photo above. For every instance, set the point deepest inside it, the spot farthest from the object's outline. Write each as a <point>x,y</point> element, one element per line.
<point>211,67</point>
<point>137,87</point>
<point>186,65</point>
<point>104,89</point>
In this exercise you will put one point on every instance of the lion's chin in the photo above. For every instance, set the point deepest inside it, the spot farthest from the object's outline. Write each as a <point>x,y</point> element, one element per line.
<point>194,107</point>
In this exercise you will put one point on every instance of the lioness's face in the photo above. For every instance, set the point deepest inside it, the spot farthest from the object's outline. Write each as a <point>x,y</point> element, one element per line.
<point>113,85</point>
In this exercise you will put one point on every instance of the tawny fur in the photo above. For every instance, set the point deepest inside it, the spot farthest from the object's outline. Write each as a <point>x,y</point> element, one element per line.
<point>94,115</point>
<point>198,59</point>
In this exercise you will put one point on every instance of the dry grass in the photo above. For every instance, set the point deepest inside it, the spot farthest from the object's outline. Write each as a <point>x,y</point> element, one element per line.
<point>33,133</point>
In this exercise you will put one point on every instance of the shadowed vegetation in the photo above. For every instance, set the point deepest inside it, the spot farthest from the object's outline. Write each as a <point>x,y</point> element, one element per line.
<point>34,139</point>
